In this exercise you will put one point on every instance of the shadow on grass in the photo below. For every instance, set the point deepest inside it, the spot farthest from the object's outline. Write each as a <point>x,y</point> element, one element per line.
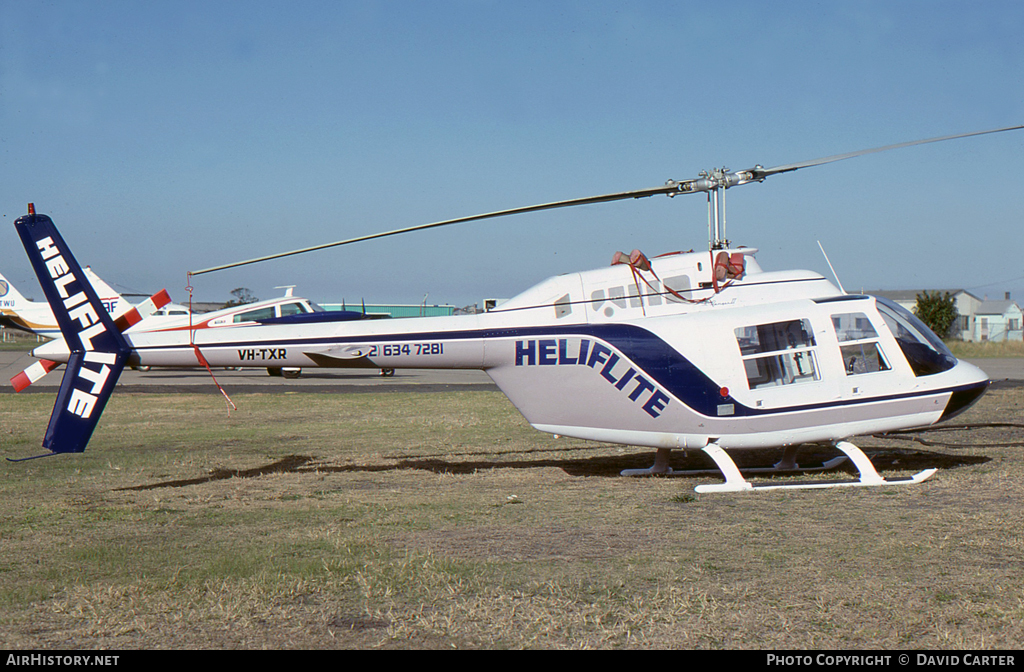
<point>600,466</point>
<point>292,463</point>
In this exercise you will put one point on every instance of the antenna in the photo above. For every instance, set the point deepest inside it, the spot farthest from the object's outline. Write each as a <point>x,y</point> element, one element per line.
<point>830,268</point>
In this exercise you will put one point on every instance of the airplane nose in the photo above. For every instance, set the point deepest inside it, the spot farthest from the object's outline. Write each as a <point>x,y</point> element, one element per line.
<point>975,383</point>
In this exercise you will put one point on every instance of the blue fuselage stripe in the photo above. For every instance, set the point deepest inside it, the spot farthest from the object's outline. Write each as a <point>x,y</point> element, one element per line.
<point>652,355</point>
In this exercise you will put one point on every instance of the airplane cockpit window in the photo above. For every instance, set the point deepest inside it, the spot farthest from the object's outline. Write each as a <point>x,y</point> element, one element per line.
<point>858,343</point>
<point>780,353</point>
<point>253,315</point>
<point>925,352</point>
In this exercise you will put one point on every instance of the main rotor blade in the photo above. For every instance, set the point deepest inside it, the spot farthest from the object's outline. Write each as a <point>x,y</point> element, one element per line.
<point>764,172</point>
<point>670,188</point>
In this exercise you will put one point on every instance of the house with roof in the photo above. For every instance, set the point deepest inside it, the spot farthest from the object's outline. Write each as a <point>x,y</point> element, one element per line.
<point>998,321</point>
<point>967,306</point>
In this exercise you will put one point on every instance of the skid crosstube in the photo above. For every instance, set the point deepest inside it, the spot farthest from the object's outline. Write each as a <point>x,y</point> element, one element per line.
<point>869,476</point>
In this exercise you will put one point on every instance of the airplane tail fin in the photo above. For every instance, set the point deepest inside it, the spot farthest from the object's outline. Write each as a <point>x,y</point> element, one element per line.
<point>10,297</point>
<point>115,304</point>
<point>98,350</point>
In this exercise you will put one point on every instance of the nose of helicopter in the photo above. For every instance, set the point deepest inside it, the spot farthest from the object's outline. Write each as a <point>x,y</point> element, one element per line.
<point>972,384</point>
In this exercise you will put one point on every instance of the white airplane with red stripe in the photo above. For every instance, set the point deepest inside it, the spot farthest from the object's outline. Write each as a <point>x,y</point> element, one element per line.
<point>124,321</point>
<point>190,329</point>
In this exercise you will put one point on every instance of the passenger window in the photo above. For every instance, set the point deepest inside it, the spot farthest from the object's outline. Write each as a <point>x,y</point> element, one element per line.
<point>674,288</point>
<point>780,353</point>
<point>858,344</point>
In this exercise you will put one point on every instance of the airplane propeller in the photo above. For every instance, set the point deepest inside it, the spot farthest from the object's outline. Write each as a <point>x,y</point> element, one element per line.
<point>713,182</point>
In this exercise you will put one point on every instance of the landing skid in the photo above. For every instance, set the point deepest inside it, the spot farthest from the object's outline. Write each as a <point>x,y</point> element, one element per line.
<point>735,482</point>
<point>787,465</point>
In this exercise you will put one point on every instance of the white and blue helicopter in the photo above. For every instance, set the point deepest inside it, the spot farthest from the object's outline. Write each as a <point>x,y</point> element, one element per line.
<point>696,351</point>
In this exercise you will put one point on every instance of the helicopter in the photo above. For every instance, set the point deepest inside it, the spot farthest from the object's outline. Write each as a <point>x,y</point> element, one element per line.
<point>690,350</point>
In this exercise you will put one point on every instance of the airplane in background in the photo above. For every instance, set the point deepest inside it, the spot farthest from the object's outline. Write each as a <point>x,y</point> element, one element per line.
<point>172,309</point>
<point>36,317</point>
<point>689,350</point>
<point>189,328</point>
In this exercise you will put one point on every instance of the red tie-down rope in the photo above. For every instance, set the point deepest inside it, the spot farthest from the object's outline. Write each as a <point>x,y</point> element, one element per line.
<point>199,355</point>
<point>639,263</point>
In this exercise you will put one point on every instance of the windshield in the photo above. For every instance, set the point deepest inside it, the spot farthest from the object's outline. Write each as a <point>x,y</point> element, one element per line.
<point>925,352</point>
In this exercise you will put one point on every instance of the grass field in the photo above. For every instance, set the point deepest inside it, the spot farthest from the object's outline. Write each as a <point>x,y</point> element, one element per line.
<point>443,520</point>
<point>18,340</point>
<point>986,349</point>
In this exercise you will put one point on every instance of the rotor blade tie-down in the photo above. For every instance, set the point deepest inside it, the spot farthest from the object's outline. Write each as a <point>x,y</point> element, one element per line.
<point>199,355</point>
<point>727,265</point>
<point>639,262</point>
<point>635,260</point>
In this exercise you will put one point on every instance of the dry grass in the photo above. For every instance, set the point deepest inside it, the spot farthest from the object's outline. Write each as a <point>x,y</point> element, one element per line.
<point>443,520</point>
<point>986,349</point>
<point>14,339</point>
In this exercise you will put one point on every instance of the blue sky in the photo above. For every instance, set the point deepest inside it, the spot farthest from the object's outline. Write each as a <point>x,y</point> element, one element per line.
<point>164,137</point>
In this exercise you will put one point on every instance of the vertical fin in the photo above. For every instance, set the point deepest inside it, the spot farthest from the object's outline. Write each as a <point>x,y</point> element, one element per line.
<point>98,350</point>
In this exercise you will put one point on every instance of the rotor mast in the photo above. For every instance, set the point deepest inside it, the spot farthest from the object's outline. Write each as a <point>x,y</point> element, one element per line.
<point>715,182</point>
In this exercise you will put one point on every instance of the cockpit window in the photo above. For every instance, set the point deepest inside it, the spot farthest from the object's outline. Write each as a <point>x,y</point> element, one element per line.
<point>858,344</point>
<point>925,352</point>
<point>292,309</point>
<point>853,327</point>
<point>253,315</point>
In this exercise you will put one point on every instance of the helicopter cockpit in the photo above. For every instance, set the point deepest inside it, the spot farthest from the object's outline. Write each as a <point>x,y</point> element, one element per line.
<point>925,352</point>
